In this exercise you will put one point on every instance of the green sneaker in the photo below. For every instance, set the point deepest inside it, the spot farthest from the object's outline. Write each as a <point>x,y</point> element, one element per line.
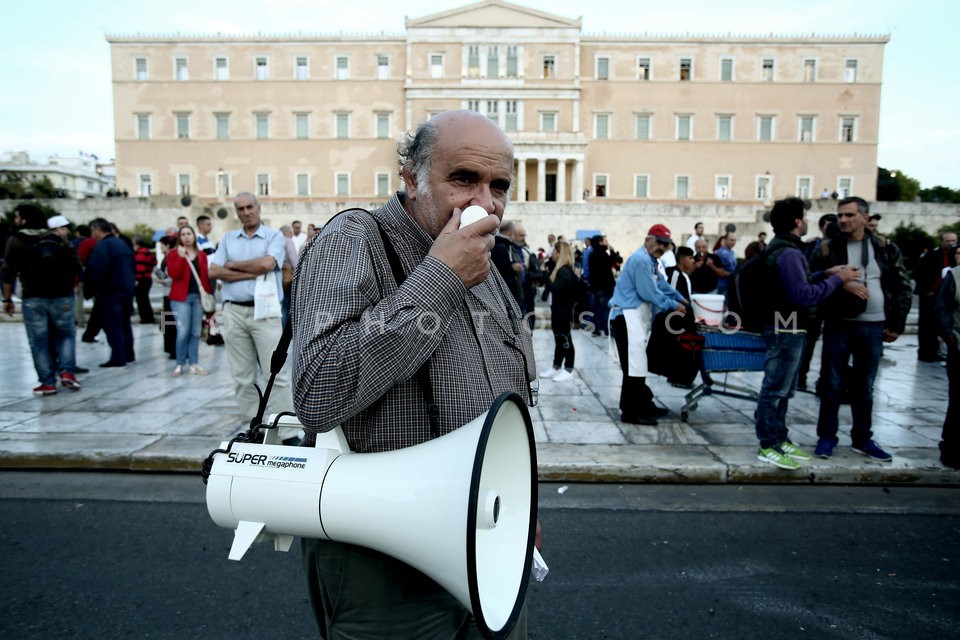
<point>777,458</point>
<point>794,451</point>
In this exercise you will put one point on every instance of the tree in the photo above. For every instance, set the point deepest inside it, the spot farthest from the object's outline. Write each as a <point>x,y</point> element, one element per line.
<point>896,186</point>
<point>940,194</point>
<point>912,241</point>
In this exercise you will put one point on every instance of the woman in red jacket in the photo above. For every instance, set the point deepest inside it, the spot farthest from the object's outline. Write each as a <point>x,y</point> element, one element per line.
<point>185,298</point>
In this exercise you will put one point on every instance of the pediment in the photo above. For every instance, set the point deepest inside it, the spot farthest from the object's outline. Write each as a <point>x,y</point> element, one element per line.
<point>493,14</point>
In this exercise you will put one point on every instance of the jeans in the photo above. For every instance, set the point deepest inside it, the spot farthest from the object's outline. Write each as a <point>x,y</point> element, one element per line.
<point>600,305</point>
<point>40,316</point>
<point>189,316</point>
<point>841,339</point>
<point>784,351</point>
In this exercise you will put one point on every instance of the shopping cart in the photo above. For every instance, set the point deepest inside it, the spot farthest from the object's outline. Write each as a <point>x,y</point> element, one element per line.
<point>726,352</point>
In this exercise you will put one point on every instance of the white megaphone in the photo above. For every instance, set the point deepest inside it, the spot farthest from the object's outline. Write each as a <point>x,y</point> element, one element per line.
<point>460,508</point>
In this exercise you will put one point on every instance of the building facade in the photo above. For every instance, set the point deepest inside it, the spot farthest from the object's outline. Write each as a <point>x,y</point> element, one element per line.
<point>82,176</point>
<point>620,118</point>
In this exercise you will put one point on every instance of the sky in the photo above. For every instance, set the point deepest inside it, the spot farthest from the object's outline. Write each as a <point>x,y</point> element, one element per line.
<point>58,97</point>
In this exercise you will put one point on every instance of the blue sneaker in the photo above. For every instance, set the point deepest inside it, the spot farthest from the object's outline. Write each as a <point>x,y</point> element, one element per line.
<point>871,450</point>
<point>824,448</point>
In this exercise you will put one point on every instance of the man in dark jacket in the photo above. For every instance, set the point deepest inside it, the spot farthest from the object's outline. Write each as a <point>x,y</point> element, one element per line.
<point>507,257</point>
<point>601,283</point>
<point>793,290</point>
<point>886,289</point>
<point>947,311</point>
<point>110,278</point>
<point>47,267</point>
<point>928,279</point>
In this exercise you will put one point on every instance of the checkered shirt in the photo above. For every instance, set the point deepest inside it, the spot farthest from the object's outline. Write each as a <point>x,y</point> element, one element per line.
<point>358,339</point>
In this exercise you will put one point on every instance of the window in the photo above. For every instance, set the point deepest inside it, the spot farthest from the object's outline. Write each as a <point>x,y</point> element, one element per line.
<point>223,126</point>
<point>510,118</point>
<point>513,62</point>
<point>302,125</point>
<point>601,126</point>
<point>765,128</point>
<point>143,126</point>
<point>146,184</point>
<point>343,184</point>
<point>436,65</point>
<point>183,184</point>
<point>180,69</point>
<point>844,187</point>
<point>726,69</point>
<point>548,121</point>
<point>600,184</point>
<point>549,67</point>
<point>804,186</point>
<point>383,125</point>
<point>724,128</point>
<point>183,125</point>
<point>223,183</point>
<point>763,187</point>
<point>684,127</point>
<point>263,126</point>
<point>303,184</point>
<point>810,70</point>
<point>603,68</point>
<point>722,188</point>
<point>383,185</point>
<point>641,186</point>
<point>261,70</point>
<point>767,69</point>
<point>302,68</point>
<point>643,126</point>
<point>140,64</point>
<point>848,126</point>
<point>221,68</point>
<point>263,184</point>
<point>473,105</point>
<point>383,68</point>
<point>849,70</point>
<point>343,68</point>
<point>643,68</point>
<point>493,62</point>
<point>493,111</point>
<point>686,68</point>
<point>683,187</point>
<point>342,125</point>
<point>473,61</point>
<point>807,128</point>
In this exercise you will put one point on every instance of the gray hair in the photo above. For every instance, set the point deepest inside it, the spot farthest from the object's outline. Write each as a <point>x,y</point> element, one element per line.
<point>245,193</point>
<point>416,152</point>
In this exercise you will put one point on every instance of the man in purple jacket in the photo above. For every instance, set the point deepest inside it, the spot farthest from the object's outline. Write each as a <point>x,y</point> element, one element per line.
<point>792,291</point>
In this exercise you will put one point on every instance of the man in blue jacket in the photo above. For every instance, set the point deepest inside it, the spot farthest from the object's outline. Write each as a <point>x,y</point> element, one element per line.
<point>793,290</point>
<point>110,276</point>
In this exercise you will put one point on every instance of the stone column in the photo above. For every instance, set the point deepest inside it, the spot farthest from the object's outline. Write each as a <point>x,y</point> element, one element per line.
<point>521,179</point>
<point>577,186</point>
<point>561,180</point>
<point>541,179</point>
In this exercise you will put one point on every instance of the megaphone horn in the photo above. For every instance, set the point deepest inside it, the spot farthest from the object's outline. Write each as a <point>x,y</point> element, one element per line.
<point>464,504</point>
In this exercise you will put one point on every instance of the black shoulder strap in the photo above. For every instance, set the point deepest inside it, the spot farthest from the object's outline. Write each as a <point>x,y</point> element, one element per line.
<point>423,373</point>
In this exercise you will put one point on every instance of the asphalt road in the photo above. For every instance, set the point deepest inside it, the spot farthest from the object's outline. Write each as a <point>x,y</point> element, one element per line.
<point>88,555</point>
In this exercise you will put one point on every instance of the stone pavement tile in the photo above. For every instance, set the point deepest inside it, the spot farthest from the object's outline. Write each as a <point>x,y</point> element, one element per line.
<point>629,463</point>
<point>585,432</point>
<point>911,417</point>
<point>71,450</point>
<point>716,433</point>
<point>61,422</point>
<point>667,432</point>
<point>572,408</point>
<point>11,418</point>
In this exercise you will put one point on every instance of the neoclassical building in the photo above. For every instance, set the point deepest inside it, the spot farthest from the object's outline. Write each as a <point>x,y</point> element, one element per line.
<point>625,118</point>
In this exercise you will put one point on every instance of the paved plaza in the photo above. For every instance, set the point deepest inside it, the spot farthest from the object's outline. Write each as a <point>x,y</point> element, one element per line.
<point>141,418</point>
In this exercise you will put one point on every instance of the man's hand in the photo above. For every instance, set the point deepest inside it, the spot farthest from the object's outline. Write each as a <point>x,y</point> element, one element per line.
<point>681,309</point>
<point>9,308</point>
<point>889,335</point>
<point>846,272</point>
<point>856,288</point>
<point>466,251</point>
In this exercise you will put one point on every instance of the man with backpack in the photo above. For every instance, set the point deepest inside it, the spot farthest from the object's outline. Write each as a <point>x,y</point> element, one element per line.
<point>790,291</point>
<point>47,267</point>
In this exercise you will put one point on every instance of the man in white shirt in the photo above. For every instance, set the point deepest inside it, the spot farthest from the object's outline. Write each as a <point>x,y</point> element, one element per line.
<point>697,235</point>
<point>299,236</point>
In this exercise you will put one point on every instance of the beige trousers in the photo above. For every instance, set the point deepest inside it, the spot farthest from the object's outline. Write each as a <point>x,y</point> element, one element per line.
<point>250,345</point>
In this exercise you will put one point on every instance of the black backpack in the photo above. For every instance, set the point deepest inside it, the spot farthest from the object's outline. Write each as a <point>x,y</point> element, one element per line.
<point>49,257</point>
<point>750,295</point>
